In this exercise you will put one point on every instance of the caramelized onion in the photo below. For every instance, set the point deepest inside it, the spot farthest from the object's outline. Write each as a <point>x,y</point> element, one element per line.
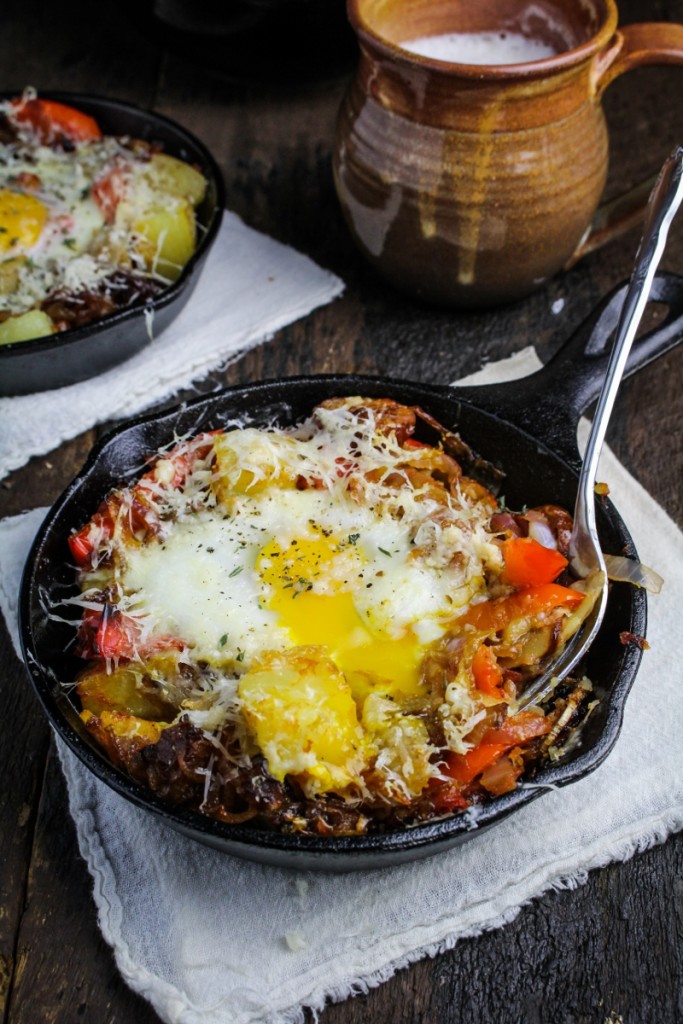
<point>628,570</point>
<point>540,530</point>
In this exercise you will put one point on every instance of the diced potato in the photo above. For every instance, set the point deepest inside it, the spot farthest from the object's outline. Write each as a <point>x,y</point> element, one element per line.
<point>299,709</point>
<point>127,726</point>
<point>173,177</point>
<point>34,324</point>
<point>126,689</point>
<point>166,237</point>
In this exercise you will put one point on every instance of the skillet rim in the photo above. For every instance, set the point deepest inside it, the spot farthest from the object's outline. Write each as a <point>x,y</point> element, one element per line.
<point>174,295</point>
<point>339,853</point>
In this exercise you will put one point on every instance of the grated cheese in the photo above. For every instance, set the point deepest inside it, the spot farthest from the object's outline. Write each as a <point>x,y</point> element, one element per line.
<point>310,573</point>
<point>82,245</point>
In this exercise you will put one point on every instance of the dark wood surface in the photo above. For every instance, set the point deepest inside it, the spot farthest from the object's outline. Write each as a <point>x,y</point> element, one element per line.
<point>609,951</point>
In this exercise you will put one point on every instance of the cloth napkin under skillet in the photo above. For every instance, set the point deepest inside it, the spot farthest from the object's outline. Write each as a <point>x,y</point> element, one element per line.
<point>208,939</point>
<point>250,287</point>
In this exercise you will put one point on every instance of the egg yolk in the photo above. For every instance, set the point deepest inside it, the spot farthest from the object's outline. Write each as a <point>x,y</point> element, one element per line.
<point>22,218</point>
<point>312,584</point>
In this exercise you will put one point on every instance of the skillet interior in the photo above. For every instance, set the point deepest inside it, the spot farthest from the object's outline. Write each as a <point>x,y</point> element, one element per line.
<point>82,352</point>
<point>534,475</point>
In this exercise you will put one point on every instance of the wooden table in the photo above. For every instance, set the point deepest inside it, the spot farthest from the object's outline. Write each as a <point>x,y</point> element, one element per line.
<point>608,951</point>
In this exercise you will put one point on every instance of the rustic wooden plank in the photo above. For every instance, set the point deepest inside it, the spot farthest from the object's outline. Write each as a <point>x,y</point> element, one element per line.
<point>43,478</point>
<point>23,747</point>
<point>79,46</point>
<point>65,971</point>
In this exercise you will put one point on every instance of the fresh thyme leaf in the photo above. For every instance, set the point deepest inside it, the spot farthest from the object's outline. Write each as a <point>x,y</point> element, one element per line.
<point>236,571</point>
<point>385,552</point>
<point>223,640</point>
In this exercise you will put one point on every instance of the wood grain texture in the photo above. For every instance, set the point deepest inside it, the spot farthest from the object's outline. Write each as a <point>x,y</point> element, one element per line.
<point>609,951</point>
<point>64,970</point>
<point>22,764</point>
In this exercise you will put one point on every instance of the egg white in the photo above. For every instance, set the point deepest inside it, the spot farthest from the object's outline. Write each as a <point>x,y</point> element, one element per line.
<point>204,581</point>
<point>200,584</point>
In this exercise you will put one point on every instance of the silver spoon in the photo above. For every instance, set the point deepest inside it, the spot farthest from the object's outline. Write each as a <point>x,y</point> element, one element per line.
<point>585,557</point>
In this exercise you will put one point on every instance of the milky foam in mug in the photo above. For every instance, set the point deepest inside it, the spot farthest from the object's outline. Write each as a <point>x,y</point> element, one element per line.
<point>480,47</point>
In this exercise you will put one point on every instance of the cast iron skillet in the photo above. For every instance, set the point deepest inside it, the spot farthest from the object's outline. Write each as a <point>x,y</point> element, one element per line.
<point>81,352</point>
<point>527,427</point>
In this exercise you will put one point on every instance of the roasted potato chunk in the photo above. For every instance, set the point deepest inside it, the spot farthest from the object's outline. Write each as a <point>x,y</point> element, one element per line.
<point>127,690</point>
<point>166,237</point>
<point>170,176</point>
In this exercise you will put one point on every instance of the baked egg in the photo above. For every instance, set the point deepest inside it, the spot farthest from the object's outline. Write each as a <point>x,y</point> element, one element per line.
<point>343,619</point>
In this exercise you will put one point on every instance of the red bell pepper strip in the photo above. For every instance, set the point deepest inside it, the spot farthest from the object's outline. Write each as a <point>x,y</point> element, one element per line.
<point>491,616</point>
<point>116,635</point>
<point>113,635</point>
<point>108,191</point>
<point>55,122</point>
<point>517,730</point>
<point>83,543</point>
<point>487,673</point>
<point>465,767</point>
<point>80,546</point>
<point>528,563</point>
<point>183,458</point>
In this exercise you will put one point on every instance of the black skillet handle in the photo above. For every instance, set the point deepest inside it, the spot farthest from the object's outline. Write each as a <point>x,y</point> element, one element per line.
<point>547,404</point>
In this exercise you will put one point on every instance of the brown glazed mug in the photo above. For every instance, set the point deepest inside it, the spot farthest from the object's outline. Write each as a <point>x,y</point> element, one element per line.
<point>470,184</point>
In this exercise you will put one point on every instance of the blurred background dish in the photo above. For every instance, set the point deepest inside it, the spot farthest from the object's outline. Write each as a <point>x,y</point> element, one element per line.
<point>84,351</point>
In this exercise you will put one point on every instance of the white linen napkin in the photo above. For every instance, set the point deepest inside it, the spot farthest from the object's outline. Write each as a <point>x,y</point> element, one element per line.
<point>250,287</point>
<point>209,939</point>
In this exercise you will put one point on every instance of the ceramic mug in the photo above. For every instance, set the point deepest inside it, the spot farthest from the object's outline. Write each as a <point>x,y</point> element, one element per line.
<point>472,184</point>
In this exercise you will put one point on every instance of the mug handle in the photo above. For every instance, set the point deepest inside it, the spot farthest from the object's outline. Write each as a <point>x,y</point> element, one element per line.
<point>633,46</point>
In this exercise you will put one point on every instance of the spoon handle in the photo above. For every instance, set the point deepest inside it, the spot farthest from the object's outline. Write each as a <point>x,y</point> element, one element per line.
<point>664,202</point>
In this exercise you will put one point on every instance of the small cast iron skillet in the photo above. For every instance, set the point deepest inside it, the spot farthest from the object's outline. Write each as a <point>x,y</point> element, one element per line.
<point>81,352</point>
<point>528,427</point>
